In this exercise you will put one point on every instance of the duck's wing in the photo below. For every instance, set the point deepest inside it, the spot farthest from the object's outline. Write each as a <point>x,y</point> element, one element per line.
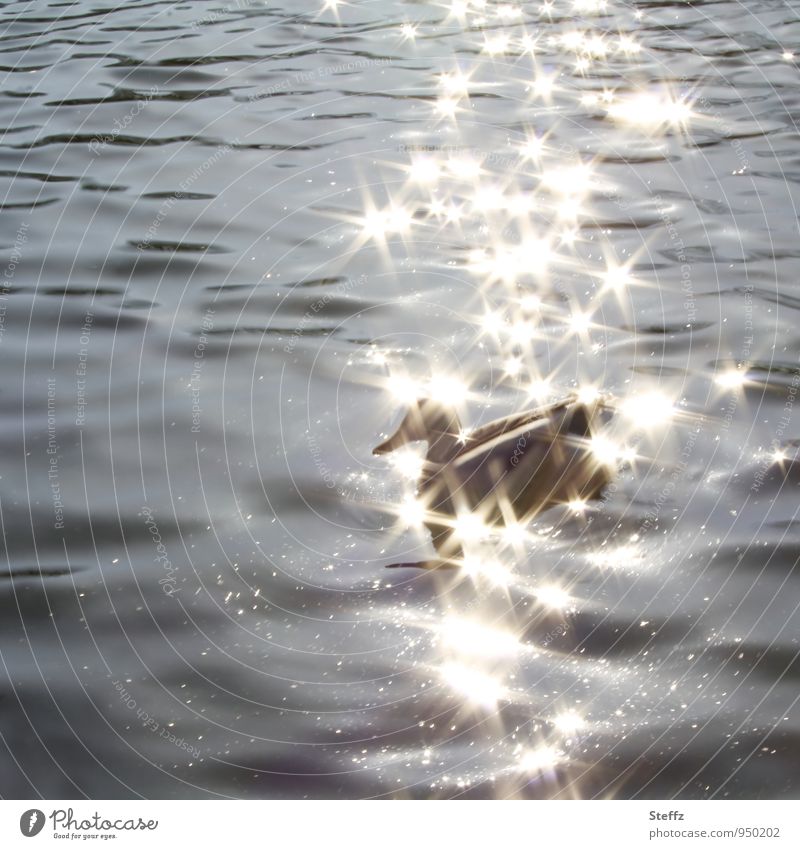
<point>489,432</point>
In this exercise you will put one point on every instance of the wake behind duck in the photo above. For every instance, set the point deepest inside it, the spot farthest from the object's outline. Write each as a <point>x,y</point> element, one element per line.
<point>506,471</point>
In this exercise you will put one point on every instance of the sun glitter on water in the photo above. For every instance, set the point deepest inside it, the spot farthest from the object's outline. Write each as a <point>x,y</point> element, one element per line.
<point>535,278</point>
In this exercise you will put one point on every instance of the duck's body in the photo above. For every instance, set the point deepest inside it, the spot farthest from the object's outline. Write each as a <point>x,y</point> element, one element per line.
<point>507,471</point>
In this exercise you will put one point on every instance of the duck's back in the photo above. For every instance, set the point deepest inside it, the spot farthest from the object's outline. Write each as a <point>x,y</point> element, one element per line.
<point>578,422</point>
<point>531,460</point>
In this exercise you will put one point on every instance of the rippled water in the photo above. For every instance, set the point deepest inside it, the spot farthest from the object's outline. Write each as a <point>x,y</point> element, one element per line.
<point>229,231</point>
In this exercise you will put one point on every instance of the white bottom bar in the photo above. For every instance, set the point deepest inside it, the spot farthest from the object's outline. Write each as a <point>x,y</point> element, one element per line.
<point>402,824</point>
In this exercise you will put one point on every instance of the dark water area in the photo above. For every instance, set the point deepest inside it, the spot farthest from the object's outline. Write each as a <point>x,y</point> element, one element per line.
<point>235,237</point>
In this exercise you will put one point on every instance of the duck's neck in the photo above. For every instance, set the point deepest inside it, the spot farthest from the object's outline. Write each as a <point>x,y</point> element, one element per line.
<point>442,430</point>
<point>443,446</point>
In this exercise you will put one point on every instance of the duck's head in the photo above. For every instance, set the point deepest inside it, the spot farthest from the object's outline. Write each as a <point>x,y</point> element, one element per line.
<point>428,421</point>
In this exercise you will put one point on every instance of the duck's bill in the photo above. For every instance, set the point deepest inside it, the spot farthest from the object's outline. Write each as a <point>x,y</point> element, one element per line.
<point>383,448</point>
<point>393,442</point>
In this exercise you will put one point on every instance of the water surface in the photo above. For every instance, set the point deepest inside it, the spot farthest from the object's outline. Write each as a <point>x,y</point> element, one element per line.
<point>232,234</point>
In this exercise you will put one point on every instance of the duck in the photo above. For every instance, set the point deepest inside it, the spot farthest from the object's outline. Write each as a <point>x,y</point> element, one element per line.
<point>509,470</point>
